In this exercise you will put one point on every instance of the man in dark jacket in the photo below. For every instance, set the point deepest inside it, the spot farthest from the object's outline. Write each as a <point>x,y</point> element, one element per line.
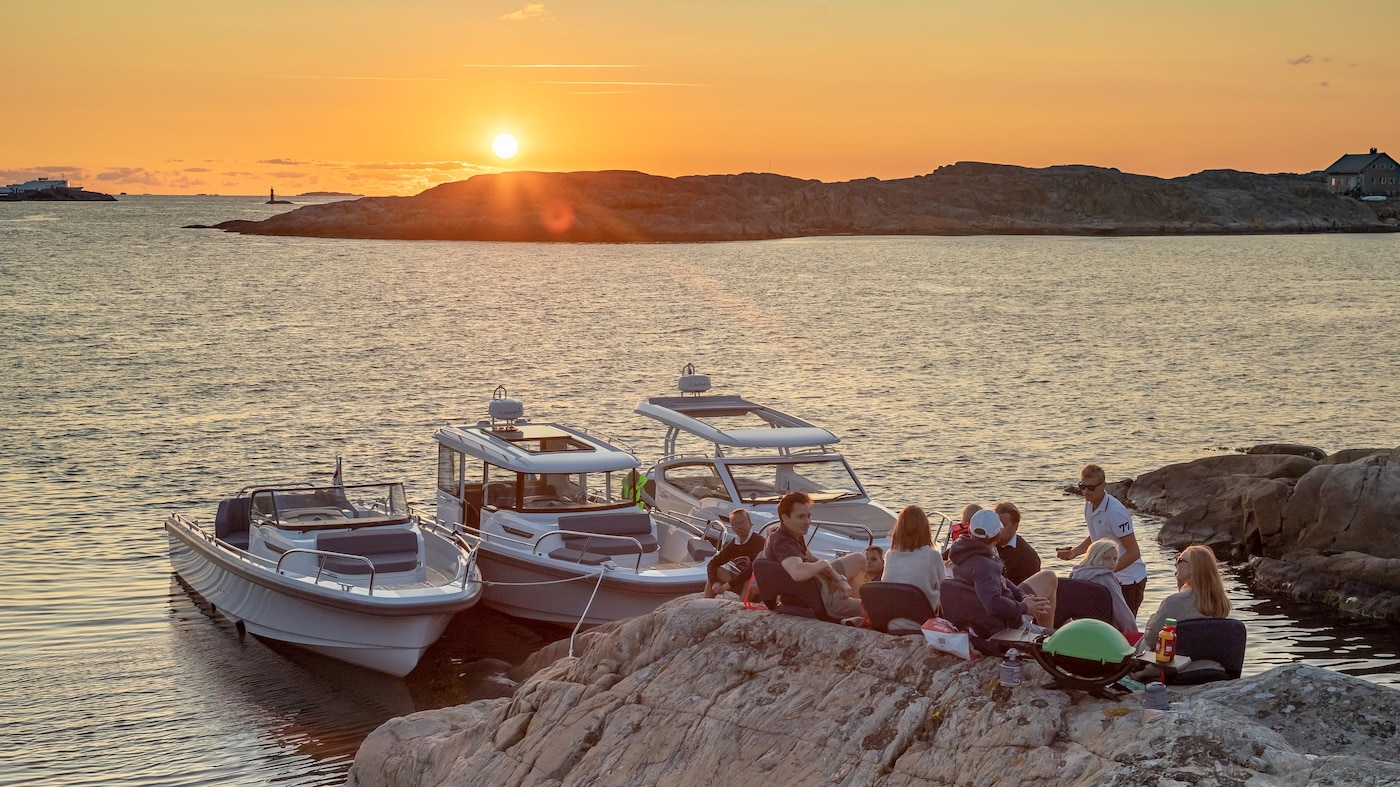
<point>1019,558</point>
<point>732,566</point>
<point>975,563</point>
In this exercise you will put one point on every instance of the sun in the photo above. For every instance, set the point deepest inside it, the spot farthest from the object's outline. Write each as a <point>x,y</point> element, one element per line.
<point>504,145</point>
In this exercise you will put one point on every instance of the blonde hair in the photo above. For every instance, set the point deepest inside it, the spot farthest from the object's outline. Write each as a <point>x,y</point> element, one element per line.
<point>968,511</point>
<point>1203,577</point>
<point>1097,550</point>
<point>1093,472</point>
<point>910,530</point>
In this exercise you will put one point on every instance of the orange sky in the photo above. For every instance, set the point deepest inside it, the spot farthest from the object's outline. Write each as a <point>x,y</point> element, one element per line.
<point>394,96</point>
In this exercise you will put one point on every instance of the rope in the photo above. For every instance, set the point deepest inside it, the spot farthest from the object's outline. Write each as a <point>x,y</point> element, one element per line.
<point>586,607</point>
<point>489,583</point>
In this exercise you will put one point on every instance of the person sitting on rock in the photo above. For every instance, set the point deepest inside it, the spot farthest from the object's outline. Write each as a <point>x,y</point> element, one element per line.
<point>731,567</point>
<point>787,546</point>
<point>874,564</point>
<point>1097,567</point>
<point>959,528</point>
<point>975,562</point>
<point>1018,557</point>
<point>911,559</point>
<point>1200,594</point>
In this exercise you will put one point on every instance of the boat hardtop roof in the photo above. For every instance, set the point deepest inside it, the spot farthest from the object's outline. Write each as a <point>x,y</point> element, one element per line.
<point>687,413</point>
<point>536,448</point>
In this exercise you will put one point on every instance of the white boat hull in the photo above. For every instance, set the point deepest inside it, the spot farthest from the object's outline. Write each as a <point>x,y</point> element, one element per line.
<point>514,587</point>
<point>387,632</point>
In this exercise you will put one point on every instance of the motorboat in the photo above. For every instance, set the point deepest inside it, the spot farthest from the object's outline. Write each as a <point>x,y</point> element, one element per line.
<point>344,570</point>
<point>553,513</point>
<point>722,452</point>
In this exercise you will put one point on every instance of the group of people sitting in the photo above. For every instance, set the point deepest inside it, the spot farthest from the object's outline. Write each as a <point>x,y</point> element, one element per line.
<point>989,554</point>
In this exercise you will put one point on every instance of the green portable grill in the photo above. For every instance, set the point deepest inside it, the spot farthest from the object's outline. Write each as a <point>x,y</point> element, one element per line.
<point>1087,654</point>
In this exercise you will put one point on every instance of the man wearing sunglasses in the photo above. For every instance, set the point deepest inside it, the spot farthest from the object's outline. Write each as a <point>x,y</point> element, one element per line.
<point>1108,518</point>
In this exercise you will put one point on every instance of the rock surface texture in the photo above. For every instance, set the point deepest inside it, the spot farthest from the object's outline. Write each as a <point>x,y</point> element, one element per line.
<point>706,692</point>
<point>960,199</point>
<point>1317,527</point>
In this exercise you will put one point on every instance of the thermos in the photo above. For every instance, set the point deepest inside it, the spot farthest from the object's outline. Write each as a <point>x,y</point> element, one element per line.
<point>1154,696</point>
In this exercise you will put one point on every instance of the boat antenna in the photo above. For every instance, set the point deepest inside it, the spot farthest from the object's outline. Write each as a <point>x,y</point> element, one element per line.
<point>691,383</point>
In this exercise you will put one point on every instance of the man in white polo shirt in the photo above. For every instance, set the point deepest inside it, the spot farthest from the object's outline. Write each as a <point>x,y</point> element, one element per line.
<point>1108,518</point>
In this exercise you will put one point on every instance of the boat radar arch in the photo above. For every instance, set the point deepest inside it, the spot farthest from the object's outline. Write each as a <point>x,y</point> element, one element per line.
<point>693,384</point>
<point>505,412</point>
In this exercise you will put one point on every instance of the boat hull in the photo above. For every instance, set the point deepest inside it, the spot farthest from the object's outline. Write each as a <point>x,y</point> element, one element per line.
<point>516,586</point>
<point>384,633</point>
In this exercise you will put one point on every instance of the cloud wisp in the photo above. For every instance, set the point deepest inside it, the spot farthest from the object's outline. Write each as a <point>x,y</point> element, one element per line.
<point>532,12</point>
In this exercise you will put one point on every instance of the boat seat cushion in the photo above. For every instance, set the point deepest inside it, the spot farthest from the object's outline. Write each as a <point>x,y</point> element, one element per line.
<point>392,551</point>
<point>632,524</point>
<point>578,556</point>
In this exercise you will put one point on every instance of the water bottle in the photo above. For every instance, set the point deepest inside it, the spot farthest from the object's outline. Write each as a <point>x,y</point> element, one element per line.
<point>1155,696</point>
<point>1011,668</point>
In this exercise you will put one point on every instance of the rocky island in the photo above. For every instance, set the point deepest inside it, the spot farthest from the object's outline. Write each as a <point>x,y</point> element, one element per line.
<point>1314,526</point>
<point>707,691</point>
<point>966,198</point>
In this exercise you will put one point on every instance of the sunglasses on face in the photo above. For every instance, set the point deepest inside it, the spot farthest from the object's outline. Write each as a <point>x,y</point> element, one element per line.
<point>1083,487</point>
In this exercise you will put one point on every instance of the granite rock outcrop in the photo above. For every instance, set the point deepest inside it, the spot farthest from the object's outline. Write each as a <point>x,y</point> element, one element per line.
<point>966,198</point>
<point>704,691</point>
<point>1318,527</point>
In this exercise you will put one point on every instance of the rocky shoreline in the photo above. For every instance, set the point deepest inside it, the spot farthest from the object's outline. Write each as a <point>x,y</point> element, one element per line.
<point>966,198</point>
<point>706,690</point>
<point>1315,526</point>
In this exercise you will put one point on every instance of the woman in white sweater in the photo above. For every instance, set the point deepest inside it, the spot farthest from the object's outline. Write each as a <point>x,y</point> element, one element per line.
<point>912,559</point>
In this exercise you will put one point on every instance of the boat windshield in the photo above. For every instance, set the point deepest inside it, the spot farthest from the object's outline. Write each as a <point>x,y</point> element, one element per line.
<point>331,506</point>
<point>825,479</point>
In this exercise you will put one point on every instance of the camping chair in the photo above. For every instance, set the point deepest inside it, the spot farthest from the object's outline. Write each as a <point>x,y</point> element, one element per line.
<point>885,601</point>
<point>1078,598</point>
<point>1221,640</point>
<point>963,609</point>
<point>781,593</point>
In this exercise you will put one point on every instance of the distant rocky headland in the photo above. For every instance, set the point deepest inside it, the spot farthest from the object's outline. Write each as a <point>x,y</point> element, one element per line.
<point>966,198</point>
<point>56,194</point>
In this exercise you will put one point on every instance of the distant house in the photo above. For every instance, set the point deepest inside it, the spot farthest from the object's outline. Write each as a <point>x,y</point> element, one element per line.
<point>1365,174</point>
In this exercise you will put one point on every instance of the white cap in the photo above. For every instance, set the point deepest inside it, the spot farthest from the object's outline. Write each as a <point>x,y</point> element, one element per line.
<point>985,524</point>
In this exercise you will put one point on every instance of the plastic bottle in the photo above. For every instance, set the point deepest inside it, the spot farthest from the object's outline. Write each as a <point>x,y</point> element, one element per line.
<point>1154,696</point>
<point>1011,668</point>
<point>1166,641</point>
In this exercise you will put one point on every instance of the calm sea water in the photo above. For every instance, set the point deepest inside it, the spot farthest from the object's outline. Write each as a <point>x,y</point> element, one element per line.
<point>149,369</point>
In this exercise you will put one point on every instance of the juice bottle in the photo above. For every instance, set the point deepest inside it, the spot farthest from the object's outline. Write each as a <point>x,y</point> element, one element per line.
<point>1166,641</point>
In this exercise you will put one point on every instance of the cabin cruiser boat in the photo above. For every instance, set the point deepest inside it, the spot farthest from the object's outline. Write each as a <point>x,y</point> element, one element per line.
<point>723,452</point>
<point>343,570</point>
<point>554,515</point>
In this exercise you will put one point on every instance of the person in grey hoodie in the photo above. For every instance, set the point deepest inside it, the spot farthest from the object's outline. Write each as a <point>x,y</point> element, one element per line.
<point>1097,567</point>
<point>975,563</point>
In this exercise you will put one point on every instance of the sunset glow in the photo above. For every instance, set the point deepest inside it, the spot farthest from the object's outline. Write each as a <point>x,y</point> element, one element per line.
<point>504,146</point>
<point>160,97</point>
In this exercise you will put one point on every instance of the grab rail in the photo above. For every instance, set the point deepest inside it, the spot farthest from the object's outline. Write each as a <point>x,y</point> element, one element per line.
<point>321,564</point>
<point>588,539</point>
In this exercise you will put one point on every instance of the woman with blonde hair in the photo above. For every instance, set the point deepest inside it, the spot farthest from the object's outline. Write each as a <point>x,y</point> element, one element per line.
<point>1097,567</point>
<point>1201,593</point>
<point>911,559</point>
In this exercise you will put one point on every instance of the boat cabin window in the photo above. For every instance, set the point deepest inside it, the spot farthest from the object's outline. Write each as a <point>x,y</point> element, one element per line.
<point>698,480</point>
<point>825,480</point>
<point>536,493</point>
<point>449,471</point>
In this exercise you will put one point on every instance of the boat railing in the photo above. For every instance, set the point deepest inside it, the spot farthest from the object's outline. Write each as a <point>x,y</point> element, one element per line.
<point>587,540</point>
<point>817,525</point>
<point>322,554</point>
<point>697,525</point>
<point>601,437</point>
<point>943,521</point>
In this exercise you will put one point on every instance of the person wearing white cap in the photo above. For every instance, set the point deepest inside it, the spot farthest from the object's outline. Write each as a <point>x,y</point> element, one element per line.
<point>975,562</point>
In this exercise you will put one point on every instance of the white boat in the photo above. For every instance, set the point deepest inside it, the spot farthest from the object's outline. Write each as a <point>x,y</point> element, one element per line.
<point>558,531</point>
<point>723,452</point>
<point>346,571</point>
